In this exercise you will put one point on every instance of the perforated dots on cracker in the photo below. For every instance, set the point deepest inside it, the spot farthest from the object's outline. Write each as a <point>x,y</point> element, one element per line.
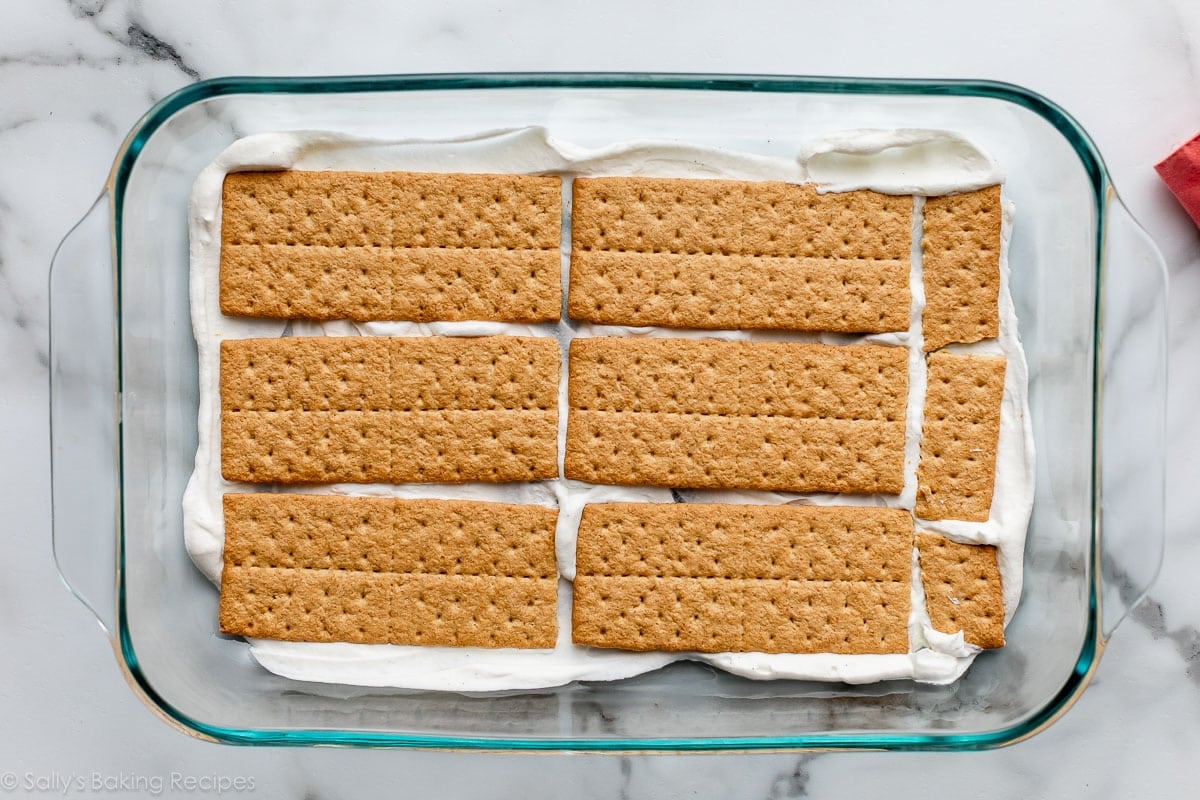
<point>738,254</point>
<point>390,246</point>
<point>960,435</point>
<point>379,409</point>
<point>963,591</point>
<point>728,578</point>
<point>373,570</point>
<point>961,243</point>
<point>762,415</point>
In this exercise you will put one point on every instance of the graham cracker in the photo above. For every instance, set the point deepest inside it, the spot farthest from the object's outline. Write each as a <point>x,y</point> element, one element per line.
<point>729,578</point>
<point>963,591</point>
<point>737,415</point>
<point>391,246</point>
<point>738,254</point>
<point>383,409</point>
<point>960,436</point>
<point>377,570</point>
<point>961,245</point>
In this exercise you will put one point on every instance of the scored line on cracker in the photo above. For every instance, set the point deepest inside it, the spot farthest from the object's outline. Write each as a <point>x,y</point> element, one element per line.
<point>960,435</point>
<point>729,578</point>
<point>391,246</point>
<point>380,409</point>
<point>738,254</point>
<point>763,415</point>
<point>378,570</point>
<point>961,257</point>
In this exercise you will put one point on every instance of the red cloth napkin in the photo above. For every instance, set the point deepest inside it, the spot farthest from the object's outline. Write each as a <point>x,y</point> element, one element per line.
<point>1181,172</point>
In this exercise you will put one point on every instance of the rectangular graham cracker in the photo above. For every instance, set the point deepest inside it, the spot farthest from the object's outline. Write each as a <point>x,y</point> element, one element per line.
<point>376,570</point>
<point>391,246</point>
<point>737,415</point>
<point>959,437</point>
<point>961,246</point>
<point>962,587</point>
<point>727,578</point>
<point>738,254</point>
<point>382,409</point>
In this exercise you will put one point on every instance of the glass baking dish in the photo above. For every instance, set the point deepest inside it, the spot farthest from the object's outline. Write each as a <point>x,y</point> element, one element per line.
<point>1090,291</point>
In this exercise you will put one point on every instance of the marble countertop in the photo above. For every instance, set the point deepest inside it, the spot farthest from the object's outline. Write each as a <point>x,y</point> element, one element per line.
<point>74,77</point>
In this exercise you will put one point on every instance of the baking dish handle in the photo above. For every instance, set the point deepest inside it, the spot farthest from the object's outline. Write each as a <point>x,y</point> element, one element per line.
<point>1133,398</point>
<point>84,408</point>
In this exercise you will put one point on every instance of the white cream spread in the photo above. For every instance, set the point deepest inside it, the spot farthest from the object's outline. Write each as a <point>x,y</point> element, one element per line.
<point>914,162</point>
<point>905,161</point>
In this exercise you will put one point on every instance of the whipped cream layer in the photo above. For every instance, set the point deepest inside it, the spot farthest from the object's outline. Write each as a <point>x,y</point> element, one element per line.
<point>917,162</point>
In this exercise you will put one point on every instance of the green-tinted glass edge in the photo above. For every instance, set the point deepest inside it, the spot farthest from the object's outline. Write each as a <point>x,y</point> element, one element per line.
<point>1071,130</point>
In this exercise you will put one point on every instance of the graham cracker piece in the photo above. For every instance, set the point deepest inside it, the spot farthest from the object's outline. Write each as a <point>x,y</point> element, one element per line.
<point>730,578</point>
<point>381,570</point>
<point>762,415</point>
<point>303,605</point>
<point>963,591</point>
<point>391,246</point>
<point>738,254</point>
<point>960,436</point>
<point>472,611</point>
<point>718,540</point>
<point>380,409</point>
<point>961,244</point>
